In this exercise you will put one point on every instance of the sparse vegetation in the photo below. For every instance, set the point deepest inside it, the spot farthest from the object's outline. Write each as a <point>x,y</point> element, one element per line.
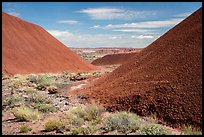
<point>189,130</point>
<point>32,78</point>
<point>45,80</point>
<point>14,100</point>
<point>32,104</point>
<point>25,129</point>
<point>30,90</point>
<point>71,121</point>
<point>122,121</point>
<point>40,98</point>
<point>16,82</point>
<point>154,129</point>
<point>88,112</point>
<point>52,124</point>
<point>44,107</point>
<point>24,113</point>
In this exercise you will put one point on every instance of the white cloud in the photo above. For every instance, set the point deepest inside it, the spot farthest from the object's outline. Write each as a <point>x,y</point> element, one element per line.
<point>147,24</point>
<point>68,21</point>
<point>11,8</point>
<point>186,14</point>
<point>134,30</point>
<point>61,35</point>
<point>114,37</point>
<point>14,13</point>
<point>145,37</point>
<point>100,40</point>
<point>96,26</point>
<point>115,13</point>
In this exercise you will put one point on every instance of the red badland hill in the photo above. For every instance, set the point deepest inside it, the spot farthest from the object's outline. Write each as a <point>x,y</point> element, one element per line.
<point>164,79</point>
<point>28,48</point>
<point>111,59</point>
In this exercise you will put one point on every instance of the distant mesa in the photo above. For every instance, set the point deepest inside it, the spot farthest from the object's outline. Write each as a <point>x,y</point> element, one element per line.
<point>164,79</point>
<point>28,48</point>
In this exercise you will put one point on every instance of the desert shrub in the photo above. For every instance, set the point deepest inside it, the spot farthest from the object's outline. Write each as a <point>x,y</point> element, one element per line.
<point>122,121</point>
<point>30,90</point>
<point>24,113</point>
<point>17,81</point>
<point>25,129</point>
<point>45,80</point>
<point>44,107</point>
<point>78,111</point>
<point>32,78</point>
<point>189,130</point>
<point>71,121</point>
<point>76,131</point>
<point>96,73</point>
<point>88,112</point>
<point>52,124</point>
<point>154,129</point>
<point>40,98</point>
<point>93,111</point>
<point>14,100</point>
<point>65,74</point>
<point>150,119</point>
<point>89,129</point>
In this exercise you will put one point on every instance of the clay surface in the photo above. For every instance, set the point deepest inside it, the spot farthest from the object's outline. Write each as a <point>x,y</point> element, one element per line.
<point>28,48</point>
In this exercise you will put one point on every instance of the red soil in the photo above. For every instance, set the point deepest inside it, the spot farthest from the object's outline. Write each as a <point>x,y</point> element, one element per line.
<point>164,79</point>
<point>111,59</point>
<point>28,48</point>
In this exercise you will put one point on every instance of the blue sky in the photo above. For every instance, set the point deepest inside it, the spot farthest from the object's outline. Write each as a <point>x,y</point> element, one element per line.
<point>103,24</point>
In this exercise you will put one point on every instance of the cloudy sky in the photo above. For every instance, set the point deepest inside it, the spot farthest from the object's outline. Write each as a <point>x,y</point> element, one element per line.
<point>103,24</point>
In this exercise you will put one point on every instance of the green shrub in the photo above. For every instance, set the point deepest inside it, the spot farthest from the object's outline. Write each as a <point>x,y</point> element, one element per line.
<point>16,82</point>
<point>30,90</point>
<point>32,78</point>
<point>71,121</point>
<point>40,98</point>
<point>189,130</point>
<point>24,113</point>
<point>154,129</point>
<point>52,124</point>
<point>76,131</point>
<point>44,107</point>
<point>45,80</point>
<point>25,129</point>
<point>78,111</point>
<point>14,100</point>
<point>122,121</point>
<point>93,111</point>
<point>88,112</point>
<point>89,129</point>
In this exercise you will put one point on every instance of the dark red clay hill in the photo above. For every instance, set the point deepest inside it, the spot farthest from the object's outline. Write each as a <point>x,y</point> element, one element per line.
<point>112,59</point>
<point>164,79</point>
<point>28,48</point>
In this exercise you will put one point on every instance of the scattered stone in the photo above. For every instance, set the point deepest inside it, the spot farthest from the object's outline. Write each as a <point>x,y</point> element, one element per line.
<point>41,87</point>
<point>66,103</point>
<point>81,96</point>
<point>52,89</point>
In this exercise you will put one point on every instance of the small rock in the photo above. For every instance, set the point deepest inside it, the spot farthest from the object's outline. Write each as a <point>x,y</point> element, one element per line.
<point>66,103</point>
<point>52,89</point>
<point>41,87</point>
